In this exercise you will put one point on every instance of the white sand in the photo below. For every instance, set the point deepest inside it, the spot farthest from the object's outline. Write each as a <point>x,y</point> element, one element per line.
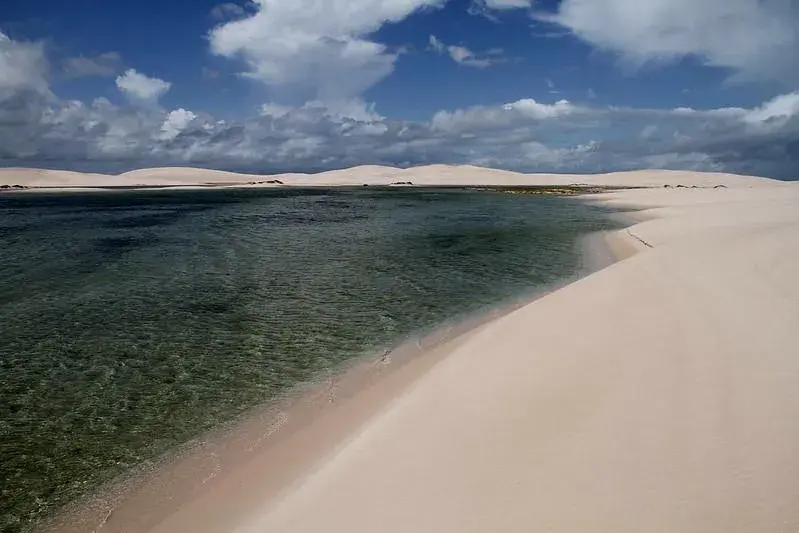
<point>658,395</point>
<point>370,175</point>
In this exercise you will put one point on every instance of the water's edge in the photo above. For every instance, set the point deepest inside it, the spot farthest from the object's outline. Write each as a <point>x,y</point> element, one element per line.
<point>346,398</point>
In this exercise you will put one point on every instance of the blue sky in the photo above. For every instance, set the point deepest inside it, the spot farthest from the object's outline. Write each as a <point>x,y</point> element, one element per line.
<point>272,85</point>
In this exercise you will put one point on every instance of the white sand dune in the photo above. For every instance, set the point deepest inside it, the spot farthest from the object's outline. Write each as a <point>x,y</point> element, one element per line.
<point>32,177</point>
<point>674,178</point>
<point>183,176</point>
<point>370,175</point>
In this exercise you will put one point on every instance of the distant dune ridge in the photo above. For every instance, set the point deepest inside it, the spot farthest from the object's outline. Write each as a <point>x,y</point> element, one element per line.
<point>369,175</point>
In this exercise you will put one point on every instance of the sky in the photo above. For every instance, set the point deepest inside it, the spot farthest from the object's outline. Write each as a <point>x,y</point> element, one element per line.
<point>307,85</point>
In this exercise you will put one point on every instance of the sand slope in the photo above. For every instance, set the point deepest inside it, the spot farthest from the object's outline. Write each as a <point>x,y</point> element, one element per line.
<point>371,175</point>
<point>658,395</point>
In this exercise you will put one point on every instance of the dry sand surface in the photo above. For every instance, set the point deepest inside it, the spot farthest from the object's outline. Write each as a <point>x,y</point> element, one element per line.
<point>370,175</point>
<point>657,395</point>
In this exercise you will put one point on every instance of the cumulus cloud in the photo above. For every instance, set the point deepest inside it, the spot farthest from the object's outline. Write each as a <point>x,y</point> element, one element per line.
<point>37,129</point>
<point>775,112</point>
<point>464,56</point>
<point>526,135</point>
<point>756,39</point>
<point>274,110</point>
<point>23,65</point>
<point>176,121</point>
<point>140,87</point>
<point>319,50</point>
<point>482,118</point>
<point>105,65</point>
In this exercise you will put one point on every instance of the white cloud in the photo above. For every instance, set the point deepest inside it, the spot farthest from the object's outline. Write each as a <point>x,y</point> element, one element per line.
<point>274,110</point>
<point>528,107</point>
<point>519,113</point>
<point>352,109</point>
<point>23,66</point>
<point>141,87</point>
<point>780,109</point>
<point>176,121</point>
<point>436,45</point>
<point>319,49</point>
<point>506,4</point>
<point>525,135</point>
<point>555,158</point>
<point>757,39</point>
<point>338,110</point>
<point>488,8</point>
<point>464,56</point>
<point>104,65</point>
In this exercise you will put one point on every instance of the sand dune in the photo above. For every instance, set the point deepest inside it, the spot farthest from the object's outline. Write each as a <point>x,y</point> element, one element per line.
<point>659,178</point>
<point>182,175</point>
<point>31,177</point>
<point>371,175</point>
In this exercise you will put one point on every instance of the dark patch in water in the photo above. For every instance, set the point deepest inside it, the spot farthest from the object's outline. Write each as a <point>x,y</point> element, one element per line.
<point>112,244</point>
<point>147,220</point>
<point>9,230</point>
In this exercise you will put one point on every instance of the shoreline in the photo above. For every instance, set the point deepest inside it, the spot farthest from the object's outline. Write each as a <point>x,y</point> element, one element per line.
<point>658,393</point>
<point>284,438</point>
<point>543,190</point>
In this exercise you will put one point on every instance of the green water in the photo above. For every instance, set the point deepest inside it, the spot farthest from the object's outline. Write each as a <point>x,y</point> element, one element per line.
<point>131,322</point>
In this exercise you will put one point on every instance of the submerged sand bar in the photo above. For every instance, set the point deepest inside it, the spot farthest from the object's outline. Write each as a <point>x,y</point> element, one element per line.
<point>657,395</point>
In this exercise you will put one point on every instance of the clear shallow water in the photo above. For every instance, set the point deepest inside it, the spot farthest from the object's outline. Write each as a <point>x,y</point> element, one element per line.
<point>132,321</point>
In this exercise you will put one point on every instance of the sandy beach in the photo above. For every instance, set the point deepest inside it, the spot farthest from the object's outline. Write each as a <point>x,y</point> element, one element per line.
<point>658,394</point>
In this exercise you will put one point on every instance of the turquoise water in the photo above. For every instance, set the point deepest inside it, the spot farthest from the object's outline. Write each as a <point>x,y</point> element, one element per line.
<point>131,322</point>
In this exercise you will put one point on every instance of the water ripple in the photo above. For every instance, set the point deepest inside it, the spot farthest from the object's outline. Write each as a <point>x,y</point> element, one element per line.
<point>131,322</point>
